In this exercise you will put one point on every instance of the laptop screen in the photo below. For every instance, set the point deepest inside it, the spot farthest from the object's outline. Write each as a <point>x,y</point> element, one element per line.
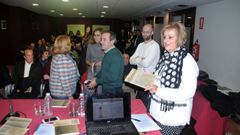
<point>105,108</point>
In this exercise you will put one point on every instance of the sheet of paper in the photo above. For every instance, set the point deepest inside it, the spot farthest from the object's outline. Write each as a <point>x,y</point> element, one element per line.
<point>45,129</point>
<point>144,123</point>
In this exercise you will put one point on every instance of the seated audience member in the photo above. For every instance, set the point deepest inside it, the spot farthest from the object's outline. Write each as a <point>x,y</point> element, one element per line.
<point>27,77</point>
<point>5,79</point>
<point>110,75</point>
<point>64,73</point>
<point>44,58</point>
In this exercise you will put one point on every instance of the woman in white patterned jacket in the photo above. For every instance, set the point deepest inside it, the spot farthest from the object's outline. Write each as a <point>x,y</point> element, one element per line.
<point>175,84</point>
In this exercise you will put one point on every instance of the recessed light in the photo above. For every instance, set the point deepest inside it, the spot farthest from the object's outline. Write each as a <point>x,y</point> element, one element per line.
<point>80,13</point>
<point>105,6</point>
<point>65,0</point>
<point>75,9</point>
<point>189,17</point>
<point>101,16</point>
<point>52,11</point>
<point>83,16</point>
<point>35,4</point>
<point>103,12</point>
<point>61,14</point>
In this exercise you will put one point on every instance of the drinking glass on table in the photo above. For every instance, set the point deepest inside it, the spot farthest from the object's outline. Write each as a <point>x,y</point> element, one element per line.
<point>72,110</point>
<point>38,109</point>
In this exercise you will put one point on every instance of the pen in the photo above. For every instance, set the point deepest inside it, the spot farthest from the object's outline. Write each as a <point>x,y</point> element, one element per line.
<point>136,120</point>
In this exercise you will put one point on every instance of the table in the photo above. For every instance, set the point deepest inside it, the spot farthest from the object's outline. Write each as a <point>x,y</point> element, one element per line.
<point>26,106</point>
<point>208,121</point>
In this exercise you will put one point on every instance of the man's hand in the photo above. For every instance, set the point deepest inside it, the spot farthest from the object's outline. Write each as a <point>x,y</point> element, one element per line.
<point>46,77</point>
<point>93,83</point>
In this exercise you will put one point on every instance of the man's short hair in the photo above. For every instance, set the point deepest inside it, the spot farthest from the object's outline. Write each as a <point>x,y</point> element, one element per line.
<point>112,34</point>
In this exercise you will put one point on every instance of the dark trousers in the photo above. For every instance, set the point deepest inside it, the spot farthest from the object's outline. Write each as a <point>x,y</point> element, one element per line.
<point>112,90</point>
<point>144,96</point>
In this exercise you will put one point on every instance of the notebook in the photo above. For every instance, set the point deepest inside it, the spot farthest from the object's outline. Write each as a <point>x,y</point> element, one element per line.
<point>109,114</point>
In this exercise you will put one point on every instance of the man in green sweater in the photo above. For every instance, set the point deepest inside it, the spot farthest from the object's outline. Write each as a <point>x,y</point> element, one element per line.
<point>111,73</point>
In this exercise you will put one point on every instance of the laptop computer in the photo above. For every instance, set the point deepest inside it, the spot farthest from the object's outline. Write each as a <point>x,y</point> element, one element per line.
<point>109,115</point>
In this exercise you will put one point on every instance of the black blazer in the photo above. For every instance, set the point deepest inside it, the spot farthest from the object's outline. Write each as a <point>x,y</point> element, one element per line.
<point>34,79</point>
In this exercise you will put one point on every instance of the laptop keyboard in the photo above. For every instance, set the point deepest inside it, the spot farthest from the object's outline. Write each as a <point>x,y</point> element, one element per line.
<point>112,129</point>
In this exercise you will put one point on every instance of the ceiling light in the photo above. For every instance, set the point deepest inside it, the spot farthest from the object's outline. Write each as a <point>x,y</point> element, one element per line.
<point>61,14</point>
<point>75,9</point>
<point>189,17</point>
<point>52,11</point>
<point>105,6</point>
<point>83,16</point>
<point>103,12</point>
<point>35,4</point>
<point>80,13</point>
<point>101,16</point>
<point>65,0</point>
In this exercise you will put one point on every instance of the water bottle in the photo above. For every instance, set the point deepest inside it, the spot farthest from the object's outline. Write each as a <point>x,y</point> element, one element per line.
<point>81,110</point>
<point>48,105</point>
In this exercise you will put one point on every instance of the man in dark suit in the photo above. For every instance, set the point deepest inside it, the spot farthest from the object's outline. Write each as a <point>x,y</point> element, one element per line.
<point>27,77</point>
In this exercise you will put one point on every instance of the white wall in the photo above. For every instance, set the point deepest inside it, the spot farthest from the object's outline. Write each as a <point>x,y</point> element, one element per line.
<point>220,42</point>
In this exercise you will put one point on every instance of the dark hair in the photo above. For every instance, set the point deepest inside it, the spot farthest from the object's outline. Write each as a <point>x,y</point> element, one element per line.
<point>112,34</point>
<point>97,29</point>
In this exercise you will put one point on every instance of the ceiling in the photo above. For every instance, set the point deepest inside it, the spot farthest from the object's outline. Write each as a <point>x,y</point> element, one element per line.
<point>122,9</point>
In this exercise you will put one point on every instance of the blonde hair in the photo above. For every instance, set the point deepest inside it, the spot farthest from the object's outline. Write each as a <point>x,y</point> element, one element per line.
<point>62,45</point>
<point>181,32</point>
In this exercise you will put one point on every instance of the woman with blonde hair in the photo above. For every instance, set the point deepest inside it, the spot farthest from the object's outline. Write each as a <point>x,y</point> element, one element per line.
<point>64,73</point>
<point>176,80</point>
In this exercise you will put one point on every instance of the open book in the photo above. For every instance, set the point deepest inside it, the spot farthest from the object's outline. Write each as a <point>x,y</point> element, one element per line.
<point>59,127</point>
<point>140,78</point>
<point>66,127</point>
<point>15,125</point>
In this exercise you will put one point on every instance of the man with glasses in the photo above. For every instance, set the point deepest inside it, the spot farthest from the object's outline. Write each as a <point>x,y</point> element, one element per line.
<point>146,58</point>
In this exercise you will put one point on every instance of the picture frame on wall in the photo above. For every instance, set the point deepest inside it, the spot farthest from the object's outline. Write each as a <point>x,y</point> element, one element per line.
<point>3,24</point>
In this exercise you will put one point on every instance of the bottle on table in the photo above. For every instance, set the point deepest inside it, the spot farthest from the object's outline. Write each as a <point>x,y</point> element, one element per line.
<point>81,111</point>
<point>48,105</point>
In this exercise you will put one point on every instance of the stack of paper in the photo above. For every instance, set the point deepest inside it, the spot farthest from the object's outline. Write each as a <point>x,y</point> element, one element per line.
<point>15,126</point>
<point>144,123</point>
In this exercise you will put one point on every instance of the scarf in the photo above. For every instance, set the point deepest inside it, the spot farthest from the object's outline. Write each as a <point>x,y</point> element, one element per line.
<point>169,68</point>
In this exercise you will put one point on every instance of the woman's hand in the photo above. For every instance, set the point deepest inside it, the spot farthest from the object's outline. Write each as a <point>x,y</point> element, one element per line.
<point>99,63</point>
<point>152,89</point>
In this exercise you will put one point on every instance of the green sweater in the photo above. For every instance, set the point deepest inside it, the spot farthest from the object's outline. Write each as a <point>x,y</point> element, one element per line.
<point>111,73</point>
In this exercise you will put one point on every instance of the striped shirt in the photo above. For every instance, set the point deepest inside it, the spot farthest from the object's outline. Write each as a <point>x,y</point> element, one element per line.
<point>64,75</point>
